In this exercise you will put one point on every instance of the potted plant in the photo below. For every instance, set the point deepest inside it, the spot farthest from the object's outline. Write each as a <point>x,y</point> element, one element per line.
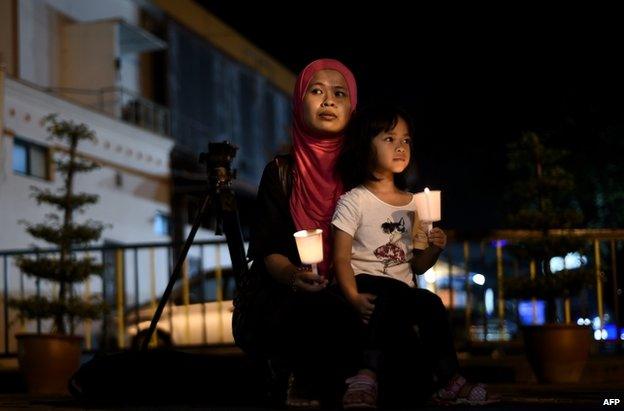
<point>48,360</point>
<point>542,202</point>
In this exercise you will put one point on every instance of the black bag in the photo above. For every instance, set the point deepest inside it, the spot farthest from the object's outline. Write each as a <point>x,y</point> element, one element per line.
<point>168,377</point>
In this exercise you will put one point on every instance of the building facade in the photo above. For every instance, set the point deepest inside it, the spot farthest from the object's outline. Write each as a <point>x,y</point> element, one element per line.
<point>157,81</point>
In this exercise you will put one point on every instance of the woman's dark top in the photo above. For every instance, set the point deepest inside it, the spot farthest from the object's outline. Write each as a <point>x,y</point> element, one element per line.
<point>273,227</point>
<point>314,333</point>
<point>259,296</point>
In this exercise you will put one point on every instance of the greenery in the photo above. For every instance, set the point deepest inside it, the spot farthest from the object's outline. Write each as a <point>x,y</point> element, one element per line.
<point>63,231</point>
<point>542,199</point>
<point>591,127</point>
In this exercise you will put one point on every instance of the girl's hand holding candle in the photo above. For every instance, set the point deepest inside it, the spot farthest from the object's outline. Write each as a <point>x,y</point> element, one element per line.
<point>437,237</point>
<point>428,207</point>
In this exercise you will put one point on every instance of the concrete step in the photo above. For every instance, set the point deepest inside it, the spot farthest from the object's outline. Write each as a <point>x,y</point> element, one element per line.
<point>516,369</point>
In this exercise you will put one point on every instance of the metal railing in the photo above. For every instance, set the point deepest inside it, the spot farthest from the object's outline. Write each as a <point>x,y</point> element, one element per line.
<point>489,257</point>
<point>135,275</point>
<point>121,104</point>
<point>200,309</point>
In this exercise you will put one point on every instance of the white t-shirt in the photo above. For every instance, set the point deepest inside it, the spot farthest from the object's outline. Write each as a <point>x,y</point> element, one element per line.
<point>382,234</point>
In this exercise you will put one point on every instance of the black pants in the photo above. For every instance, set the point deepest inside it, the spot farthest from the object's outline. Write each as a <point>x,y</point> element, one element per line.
<point>314,335</point>
<point>322,329</point>
<point>408,340</point>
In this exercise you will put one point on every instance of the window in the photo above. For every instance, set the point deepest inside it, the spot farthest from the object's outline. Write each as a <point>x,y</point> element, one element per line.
<point>161,224</point>
<point>30,159</point>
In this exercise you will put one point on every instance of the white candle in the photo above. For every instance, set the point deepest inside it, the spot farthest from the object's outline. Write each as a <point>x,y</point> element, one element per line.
<point>428,206</point>
<point>310,247</point>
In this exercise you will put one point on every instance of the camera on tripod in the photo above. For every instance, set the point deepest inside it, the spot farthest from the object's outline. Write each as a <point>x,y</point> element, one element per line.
<point>218,162</point>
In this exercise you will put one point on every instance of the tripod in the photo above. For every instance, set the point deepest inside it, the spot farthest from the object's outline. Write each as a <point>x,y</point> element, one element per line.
<point>221,201</point>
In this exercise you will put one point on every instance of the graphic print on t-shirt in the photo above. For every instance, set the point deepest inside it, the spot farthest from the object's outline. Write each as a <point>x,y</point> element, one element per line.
<point>390,253</point>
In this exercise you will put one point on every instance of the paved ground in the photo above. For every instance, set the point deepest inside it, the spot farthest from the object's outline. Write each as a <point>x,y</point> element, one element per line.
<point>514,397</point>
<point>510,376</point>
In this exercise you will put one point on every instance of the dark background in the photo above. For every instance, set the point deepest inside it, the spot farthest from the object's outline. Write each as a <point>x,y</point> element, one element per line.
<point>474,79</point>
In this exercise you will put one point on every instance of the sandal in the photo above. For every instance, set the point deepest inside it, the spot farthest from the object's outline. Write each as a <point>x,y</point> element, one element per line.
<point>361,393</point>
<point>459,391</point>
<point>298,397</point>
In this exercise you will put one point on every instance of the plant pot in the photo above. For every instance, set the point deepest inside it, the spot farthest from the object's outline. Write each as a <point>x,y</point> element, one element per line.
<point>557,352</point>
<point>47,361</point>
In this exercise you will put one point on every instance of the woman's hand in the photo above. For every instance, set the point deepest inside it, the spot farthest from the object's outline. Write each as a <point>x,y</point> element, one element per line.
<point>437,237</point>
<point>364,304</point>
<point>304,279</point>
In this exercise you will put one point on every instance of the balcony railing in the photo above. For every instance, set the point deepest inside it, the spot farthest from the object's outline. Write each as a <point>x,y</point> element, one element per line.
<point>121,104</point>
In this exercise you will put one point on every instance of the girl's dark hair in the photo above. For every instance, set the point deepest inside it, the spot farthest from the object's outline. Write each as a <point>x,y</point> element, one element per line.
<point>356,162</point>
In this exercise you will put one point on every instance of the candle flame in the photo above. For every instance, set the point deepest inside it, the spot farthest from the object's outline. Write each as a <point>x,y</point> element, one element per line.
<point>308,233</point>
<point>426,189</point>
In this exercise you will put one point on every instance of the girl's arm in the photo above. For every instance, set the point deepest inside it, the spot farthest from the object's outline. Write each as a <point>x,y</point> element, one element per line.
<point>363,303</point>
<point>342,264</point>
<point>423,260</point>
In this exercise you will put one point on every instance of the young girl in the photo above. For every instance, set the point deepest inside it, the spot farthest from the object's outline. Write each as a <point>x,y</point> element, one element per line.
<point>379,246</point>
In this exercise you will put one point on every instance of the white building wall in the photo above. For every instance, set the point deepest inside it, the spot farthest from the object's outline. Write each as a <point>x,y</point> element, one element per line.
<point>141,157</point>
<point>40,23</point>
<point>89,10</point>
<point>38,43</point>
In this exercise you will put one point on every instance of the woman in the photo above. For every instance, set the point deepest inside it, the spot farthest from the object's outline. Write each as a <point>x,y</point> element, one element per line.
<point>284,312</point>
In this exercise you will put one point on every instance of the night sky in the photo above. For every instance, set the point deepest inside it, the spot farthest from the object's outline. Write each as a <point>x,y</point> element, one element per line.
<point>473,77</point>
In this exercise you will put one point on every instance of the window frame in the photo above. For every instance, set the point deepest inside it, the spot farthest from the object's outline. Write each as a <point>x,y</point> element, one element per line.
<point>28,146</point>
<point>165,218</point>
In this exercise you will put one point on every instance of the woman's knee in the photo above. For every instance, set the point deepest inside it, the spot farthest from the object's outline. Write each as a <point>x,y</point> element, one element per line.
<point>428,297</point>
<point>429,302</point>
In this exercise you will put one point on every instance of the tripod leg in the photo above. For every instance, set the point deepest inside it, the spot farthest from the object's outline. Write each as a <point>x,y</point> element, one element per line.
<point>232,231</point>
<point>176,273</point>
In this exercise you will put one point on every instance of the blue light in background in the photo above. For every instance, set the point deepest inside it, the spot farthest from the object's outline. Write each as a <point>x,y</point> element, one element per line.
<point>525,310</point>
<point>611,330</point>
<point>501,243</point>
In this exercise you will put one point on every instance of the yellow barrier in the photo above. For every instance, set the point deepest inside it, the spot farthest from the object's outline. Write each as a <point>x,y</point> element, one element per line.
<point>186,301</point>
<point>119,283</point>
<point>152,256</point>
<point>499,277</point>
<point>219,288</point>
<point>468,289</point>
<point>599,282</point>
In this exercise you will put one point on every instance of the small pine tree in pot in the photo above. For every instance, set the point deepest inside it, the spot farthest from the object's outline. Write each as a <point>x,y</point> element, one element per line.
<point>541,199</point>
<point>41,356</point>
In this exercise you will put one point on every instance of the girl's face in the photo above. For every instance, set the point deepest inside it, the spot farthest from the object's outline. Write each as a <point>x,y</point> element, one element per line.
<point>392,149</point>
<point>326,103</point>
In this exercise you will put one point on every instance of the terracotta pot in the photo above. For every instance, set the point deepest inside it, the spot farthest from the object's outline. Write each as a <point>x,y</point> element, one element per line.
<point>47,361</point>
<point>557,352</point>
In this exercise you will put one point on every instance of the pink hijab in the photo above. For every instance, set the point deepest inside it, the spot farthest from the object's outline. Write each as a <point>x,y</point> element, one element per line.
<point>316,187</point>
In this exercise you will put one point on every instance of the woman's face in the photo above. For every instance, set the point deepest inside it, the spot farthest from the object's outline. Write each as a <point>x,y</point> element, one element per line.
<point>326,103</point>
